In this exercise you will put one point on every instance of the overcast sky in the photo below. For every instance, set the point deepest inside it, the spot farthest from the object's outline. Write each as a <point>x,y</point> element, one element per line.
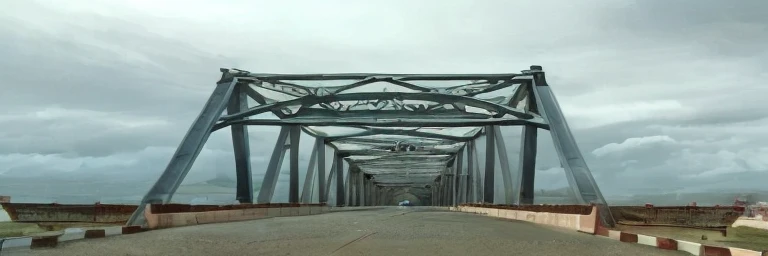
<point>662,95</point>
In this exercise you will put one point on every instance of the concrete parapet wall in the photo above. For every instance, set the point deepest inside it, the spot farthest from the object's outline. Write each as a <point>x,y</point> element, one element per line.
<point>171,218</point>
<point>591,224</point>
<point>98,213</point>
<point>750,222</point>
<point>174,217</point>
<point>577,222</point>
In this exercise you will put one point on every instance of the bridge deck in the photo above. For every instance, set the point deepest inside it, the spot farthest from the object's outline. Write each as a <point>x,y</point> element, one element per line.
<point>371,231</point>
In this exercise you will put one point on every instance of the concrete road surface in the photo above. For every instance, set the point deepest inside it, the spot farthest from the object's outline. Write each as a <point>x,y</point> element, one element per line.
<point>387,231</point>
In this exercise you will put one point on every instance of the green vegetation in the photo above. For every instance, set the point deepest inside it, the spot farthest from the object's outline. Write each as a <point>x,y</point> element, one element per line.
<point>741,237</point>
<point>747,238</point>
<point>13,229</point>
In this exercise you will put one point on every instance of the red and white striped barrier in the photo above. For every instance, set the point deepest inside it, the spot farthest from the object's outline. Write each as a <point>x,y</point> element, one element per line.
<point>585,224</point>
<point>69,234</point>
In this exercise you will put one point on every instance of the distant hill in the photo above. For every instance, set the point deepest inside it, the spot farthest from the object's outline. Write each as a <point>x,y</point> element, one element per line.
<point>559,192</point>
<point>221,180</point>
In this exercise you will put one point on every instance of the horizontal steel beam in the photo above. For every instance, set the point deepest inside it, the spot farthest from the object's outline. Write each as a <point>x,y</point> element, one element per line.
<point>388,122</point>
<point>306,112</point>
<point>356,76</point>
<point>310,100</point>
<point>372,152</point>
<point>379,131</point>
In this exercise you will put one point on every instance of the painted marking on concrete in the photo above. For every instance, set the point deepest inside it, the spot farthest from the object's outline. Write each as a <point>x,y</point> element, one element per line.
<point>646,240</point>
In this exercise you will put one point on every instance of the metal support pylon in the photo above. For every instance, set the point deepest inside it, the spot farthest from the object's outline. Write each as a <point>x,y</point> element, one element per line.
<point>527,166</point>
<point>490,166</point>
<point>269,182</point>
<point>239,102</point>
<point>506,174</point>
<point>309,178</point>
<point>188,150</point>
<point>458,176</point>
<point>577,172</point>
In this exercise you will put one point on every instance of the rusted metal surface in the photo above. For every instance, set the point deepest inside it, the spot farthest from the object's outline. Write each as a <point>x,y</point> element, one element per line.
<point>567,209</point>
<point>177,208</point>
<point>689,216</point>
<point>94,213</point>
<point>111,213</point>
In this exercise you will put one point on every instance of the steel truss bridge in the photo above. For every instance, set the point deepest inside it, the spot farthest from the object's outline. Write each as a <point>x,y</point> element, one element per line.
<point>416,136</point>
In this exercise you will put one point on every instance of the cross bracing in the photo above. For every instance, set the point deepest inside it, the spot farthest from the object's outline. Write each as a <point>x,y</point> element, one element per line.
<point>386,131</point>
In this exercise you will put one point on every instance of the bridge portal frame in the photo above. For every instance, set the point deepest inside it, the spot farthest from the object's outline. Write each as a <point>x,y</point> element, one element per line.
<point>454,185</point>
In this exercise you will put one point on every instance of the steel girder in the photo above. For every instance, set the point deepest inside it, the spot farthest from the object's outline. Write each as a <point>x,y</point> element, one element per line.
<point>307,108</point>
<point>170,180</point>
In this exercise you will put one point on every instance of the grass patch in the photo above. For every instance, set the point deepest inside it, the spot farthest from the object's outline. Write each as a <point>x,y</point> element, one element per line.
<point>740,237</point>
<point>13,229</point>
<point>16,229</point>
<point>747,238</point>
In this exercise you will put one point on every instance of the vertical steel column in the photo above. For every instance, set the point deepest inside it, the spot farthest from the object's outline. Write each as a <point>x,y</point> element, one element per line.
<point>321,189</point>
<point>293,192</point>
<point>373,193</point>
<point>440,192</point>
<point>360,188</point>
<point>188,150</point>
<point>435,194</point>
<point>273,168</point>
<point>459,176</point>
<point>447,189</point>
<point>370,198</point>
<point>576,169</point>
<point>478,174</point>
<point>348,185</point>
<point>309,177</point>
<point>444,190</point>
<point>527,164</point>
<point>376,195</point>
<point>353,187</point>
<point>239,102</point>
<point>339,164</point>
<point>506,173</point>
<point>471,184</point>
<point>348,181</point>
<point>331,178</point>
<point>490,165</point>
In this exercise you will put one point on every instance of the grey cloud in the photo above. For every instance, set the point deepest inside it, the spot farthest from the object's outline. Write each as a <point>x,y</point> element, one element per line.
<point>696,71</point>
<point>721,28</point>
